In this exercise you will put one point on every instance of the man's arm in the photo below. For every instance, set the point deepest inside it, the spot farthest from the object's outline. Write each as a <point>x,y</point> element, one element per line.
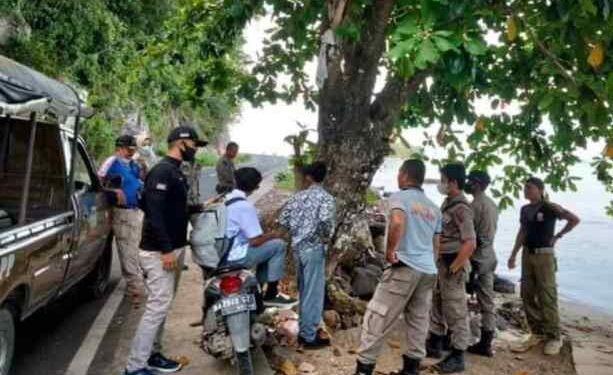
<point>519,242</point>
<point>463,217</point>
<point>396,229</point>
<point>571,219</point>
<point>436,244</point>
<point>263,238</point>
<point>327,218</point>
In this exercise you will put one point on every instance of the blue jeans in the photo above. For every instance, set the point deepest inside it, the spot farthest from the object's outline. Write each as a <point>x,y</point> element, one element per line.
<point>268,259</point>
<point>311,263</point>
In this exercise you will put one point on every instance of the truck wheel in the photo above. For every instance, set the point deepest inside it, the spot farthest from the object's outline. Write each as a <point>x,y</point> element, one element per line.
<point>97,282</point>
<point>7,339</point>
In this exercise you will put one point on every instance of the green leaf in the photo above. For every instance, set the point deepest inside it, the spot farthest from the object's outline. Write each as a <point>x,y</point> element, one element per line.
<point>443,44</point>
<point>475,46</point>
<point>409,26</point>
<point>427,53</point>
<point>588,7</point>
<point>610,86</point>
<point>545,102</point>
<point>401,49</point>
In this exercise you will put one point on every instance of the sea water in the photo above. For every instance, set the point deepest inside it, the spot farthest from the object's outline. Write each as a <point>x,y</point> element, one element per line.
<point>585,256</point>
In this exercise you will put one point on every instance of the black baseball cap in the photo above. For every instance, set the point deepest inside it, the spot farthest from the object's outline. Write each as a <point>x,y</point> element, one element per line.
<point>186,132</point>
<point>479,177</point>
<point>125,141</point>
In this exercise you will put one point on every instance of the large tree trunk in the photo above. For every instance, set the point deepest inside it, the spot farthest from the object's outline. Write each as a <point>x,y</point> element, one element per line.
<point>355,125</point>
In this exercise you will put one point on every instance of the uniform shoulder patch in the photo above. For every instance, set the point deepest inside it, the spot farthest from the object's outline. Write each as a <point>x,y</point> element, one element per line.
<point>160,186</point>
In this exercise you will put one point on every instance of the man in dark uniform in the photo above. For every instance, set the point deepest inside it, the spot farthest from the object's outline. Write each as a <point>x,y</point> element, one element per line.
<point>449,309</point>
<point>164,235</point>
<point>484,260</point>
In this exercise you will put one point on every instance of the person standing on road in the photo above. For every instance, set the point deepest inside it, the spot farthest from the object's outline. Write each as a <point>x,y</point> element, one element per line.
<point>225,169</point>
<point>406,287</point>
<point>309,215</point>
<point>251,247</point>
<point>539,291</point>
<point>163,238</point>
<point>449,308</point>
<point>121,173</point>
<point>484,260</point>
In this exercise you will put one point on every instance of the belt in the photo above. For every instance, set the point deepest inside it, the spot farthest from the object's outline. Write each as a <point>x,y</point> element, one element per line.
<point>541,250</point>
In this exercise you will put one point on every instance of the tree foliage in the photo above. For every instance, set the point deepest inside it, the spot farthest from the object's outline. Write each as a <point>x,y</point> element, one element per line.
<point>111,49</point>
<point>546,60</point>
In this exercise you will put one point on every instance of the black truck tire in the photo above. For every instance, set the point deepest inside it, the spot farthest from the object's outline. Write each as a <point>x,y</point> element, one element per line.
<point>96,283</point>
<point>7,338</point>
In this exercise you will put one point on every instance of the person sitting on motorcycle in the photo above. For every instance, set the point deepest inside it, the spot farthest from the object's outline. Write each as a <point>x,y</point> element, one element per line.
<point>252,248</point>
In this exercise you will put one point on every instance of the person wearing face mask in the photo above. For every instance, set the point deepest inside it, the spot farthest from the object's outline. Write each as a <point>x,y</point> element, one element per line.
<point>121,174</point>
<point>484,260</point>
<point>164,236</point>
<point>449,314</point>
<point>537,239</point>
<point>145,155</point>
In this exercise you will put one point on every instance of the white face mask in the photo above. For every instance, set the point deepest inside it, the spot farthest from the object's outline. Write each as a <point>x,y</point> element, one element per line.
<point>443,188</point>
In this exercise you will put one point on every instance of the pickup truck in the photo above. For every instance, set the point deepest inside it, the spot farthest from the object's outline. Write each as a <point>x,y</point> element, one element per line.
<point>55,230</point>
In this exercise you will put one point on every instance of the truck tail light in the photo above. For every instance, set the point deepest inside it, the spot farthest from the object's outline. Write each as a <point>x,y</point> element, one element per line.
<point>230,284</point>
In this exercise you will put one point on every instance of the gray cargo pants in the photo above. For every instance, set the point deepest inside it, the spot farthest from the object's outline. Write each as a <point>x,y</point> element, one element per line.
<point>402,290</point>
<point>161,288</point>
<point>449,306</point>
<point>485,296</point>
<point>127,226</point>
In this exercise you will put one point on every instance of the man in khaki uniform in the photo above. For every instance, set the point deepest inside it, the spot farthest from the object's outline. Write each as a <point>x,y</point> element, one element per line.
<point>225,169</point>
<point>449,308</point>
<point>406,287</point>
<point>484,260</point>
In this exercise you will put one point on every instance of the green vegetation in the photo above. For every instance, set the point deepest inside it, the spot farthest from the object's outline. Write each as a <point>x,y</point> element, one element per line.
<point>284,180</point>
<point>127,56</point>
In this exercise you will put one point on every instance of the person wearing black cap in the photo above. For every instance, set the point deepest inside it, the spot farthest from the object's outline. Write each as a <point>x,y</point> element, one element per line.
<point>483,260</point>
<point>449,314</point>
<point>122,174</point>
<point>164,235</point>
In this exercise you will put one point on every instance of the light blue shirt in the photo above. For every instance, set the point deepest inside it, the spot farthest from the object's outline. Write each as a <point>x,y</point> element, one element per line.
<point>423,221</point>
<point>241,221</point>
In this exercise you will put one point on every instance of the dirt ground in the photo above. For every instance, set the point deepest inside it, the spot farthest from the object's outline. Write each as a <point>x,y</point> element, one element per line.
<point>588,348</point>
<point>340,359</point>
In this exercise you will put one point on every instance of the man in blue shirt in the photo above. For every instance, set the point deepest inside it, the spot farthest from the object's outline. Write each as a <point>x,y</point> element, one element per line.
<point>121,173</point>
<point>406,287</point>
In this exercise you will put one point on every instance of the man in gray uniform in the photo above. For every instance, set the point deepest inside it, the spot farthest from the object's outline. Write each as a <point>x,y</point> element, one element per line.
<point>483,260</point>
<point>449,308</point>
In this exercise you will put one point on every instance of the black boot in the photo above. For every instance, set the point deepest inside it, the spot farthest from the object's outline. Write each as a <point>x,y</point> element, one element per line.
<point>447,341</point>
<point>454,362</point>
<point>434,346</point>
<point>364,369</point>
<point>410,367</point>
<point>484,346</point>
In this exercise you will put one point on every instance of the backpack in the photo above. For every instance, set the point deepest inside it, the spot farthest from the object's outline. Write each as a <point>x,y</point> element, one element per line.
<point>208,240</point>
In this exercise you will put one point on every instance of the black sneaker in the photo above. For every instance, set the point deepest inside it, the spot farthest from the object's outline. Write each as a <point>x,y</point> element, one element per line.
<point>142,371</point>
<point>281,301</point>
<point>160,363</point>
<point>318,343</point>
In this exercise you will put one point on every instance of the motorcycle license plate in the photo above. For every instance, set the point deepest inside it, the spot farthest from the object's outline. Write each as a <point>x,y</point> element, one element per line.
<point>235,304</point>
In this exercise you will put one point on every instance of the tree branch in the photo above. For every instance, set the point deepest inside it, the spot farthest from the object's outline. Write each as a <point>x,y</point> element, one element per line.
<point>390,100</point>
<point>541,46</point>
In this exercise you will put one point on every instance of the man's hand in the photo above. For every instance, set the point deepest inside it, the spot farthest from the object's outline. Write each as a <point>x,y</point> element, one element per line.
<point>391,257</point>
<point>169,261</point>
<point>511,263</point>
<point>456,266</point>
<point>121,197</point>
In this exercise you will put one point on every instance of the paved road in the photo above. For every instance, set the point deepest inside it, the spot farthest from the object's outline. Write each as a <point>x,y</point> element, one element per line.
<point>264,163</point>
<point>49,339</point>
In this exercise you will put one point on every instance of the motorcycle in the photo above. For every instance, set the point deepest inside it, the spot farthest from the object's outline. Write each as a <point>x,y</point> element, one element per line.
<point>232,297</point>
